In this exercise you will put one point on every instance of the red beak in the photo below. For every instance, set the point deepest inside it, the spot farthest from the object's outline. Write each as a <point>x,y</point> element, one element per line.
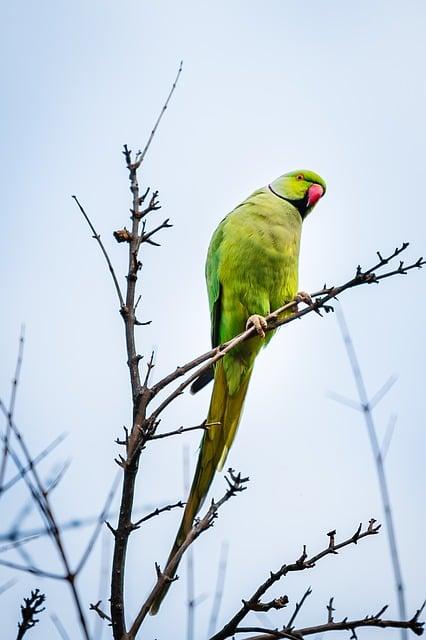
<point>315,192</point>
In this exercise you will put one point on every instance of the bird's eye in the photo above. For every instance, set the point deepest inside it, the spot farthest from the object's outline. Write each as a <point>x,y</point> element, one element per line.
<point>300,177</point>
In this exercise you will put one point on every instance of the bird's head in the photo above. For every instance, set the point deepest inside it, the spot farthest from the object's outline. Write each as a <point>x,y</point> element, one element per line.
<point>301,188</point>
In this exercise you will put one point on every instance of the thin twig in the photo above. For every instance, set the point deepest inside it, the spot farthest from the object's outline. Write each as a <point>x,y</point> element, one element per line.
<point>97,237</point>
<point>157,512</point>
<point>141,156</point>
<point>297,608</point>
<point>31,608</point>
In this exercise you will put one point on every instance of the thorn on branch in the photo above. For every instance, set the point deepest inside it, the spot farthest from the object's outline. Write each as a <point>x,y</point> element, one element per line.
<point>162,576</point>
<point>300,562</point>
<point>330,610</point>
<point>357,534</point>
<point>111,528</point>
<point>332,536</point>
<point>143,197</point>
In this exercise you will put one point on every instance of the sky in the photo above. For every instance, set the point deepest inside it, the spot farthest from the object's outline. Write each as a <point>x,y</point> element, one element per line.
<point>266,87</point>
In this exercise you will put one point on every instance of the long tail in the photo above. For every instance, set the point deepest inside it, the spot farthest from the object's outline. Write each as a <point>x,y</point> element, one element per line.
<point>223,418</point>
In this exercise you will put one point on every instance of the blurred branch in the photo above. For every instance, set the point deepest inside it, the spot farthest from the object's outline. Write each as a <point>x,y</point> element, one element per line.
<point>12,402</point>
<point>30,608</point>
<point>141,155</point>
<point>367,407</point>
<point>7,585</point>
<point>40,494</point>
<point>60,627</point>
<point>43,454</point>
<point>190,574</point>
<point>218,595</point>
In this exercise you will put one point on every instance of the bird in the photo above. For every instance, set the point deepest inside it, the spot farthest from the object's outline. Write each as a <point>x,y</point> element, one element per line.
<point>251,270</point>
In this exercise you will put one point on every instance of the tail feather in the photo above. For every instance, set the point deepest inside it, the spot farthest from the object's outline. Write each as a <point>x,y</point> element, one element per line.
<point>224,417</point>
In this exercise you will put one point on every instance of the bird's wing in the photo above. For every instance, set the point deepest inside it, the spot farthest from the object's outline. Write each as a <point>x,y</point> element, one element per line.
<point>214,287</point>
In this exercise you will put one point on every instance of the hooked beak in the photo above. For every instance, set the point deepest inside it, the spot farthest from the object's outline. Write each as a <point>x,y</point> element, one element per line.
<point>315,192</point>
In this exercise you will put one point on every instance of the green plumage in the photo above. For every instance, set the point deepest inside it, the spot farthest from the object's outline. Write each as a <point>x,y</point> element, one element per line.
<point>251,268</point>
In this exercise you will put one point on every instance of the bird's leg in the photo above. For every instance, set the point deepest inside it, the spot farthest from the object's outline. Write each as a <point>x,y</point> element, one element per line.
<point>258,322</point>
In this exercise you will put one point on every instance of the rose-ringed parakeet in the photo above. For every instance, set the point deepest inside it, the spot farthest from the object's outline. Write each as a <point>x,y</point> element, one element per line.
<point>251,270</point>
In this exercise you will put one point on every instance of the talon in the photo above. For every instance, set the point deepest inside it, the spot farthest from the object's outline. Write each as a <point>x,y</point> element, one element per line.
<point>302,296</point>
<point>259,323</point>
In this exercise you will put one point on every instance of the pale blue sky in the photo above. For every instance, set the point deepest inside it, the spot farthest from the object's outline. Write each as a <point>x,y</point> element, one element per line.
<point>267,87</point>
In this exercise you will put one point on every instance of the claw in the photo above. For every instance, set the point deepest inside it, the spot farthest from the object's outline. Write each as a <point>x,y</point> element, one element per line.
<point>259,323</point>
<point>302,296</point>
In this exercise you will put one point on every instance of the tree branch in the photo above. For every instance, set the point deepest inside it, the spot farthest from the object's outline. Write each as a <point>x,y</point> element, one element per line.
<point>301,564</point>
<point>30,608</point>
<point>236,484</point>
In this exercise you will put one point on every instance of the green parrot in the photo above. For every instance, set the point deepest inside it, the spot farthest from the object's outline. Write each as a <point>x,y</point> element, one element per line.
<point>251,270</point>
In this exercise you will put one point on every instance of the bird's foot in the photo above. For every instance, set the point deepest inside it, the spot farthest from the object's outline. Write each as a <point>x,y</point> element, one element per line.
<point>259,323</point>
<point>302,296</point>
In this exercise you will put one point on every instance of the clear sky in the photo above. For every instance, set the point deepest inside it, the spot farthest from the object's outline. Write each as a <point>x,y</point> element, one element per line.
<point>267,87</point>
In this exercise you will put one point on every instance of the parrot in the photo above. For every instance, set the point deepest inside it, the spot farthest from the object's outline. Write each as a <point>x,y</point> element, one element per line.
<point>251,270</point>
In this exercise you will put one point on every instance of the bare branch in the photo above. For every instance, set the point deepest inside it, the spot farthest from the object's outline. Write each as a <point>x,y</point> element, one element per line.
<point>299,605</point>
<point>30,608</point>
<point>98,528</point>
<point>203,426</point>
<point>8,485</point>
<point>97,237</point>
<point>141,155</point>
<point>301,564</point>
<point>236,484</point>
<point>33,570</point>
<point>40,495</point>
<point>157,512</point>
